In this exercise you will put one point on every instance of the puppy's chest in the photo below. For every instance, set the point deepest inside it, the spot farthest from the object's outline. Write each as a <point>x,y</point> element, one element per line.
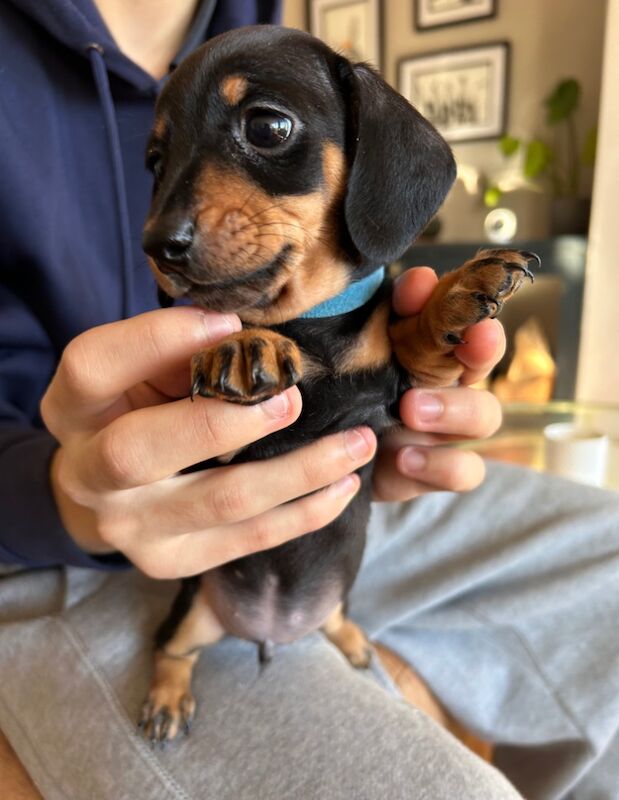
<point>335,398</point>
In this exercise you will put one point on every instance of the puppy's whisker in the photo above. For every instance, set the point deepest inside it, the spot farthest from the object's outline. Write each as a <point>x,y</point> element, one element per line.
<point>260,235</point>
<point>248,198</point>
<point>289,225</point>
<point>260,248</point>
<point>264,211</point>
<point>308,237</point>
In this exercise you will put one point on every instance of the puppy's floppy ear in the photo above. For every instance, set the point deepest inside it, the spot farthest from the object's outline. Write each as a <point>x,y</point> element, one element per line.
<point>401,167</point>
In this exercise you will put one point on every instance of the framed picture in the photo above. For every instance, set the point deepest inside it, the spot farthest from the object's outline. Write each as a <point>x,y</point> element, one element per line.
<point>462,92</point>
<point>438,13</point>
<point>351,27</point>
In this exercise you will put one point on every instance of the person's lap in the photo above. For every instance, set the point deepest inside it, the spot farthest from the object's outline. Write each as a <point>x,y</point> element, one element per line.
<point>462,587</point>
<point>506,602</point>
<point>308,726</point>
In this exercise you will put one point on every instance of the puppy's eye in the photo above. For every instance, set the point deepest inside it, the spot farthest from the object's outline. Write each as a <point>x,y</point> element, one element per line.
<point>266,128</point>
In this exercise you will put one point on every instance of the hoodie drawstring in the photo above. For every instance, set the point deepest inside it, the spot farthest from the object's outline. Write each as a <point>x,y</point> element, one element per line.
<point>95,54</point>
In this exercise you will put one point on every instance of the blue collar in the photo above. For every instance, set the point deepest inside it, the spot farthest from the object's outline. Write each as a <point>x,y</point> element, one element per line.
<point>354,296</point>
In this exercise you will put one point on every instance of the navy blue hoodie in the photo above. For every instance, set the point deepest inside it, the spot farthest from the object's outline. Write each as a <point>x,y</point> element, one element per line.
<point>74,119</point>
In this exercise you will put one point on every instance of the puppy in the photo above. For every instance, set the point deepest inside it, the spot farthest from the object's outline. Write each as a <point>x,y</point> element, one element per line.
<point>285,177</point>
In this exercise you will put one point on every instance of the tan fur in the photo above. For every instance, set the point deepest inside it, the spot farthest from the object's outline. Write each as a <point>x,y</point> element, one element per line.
<point>170,689</point>
<point>233,89</point>
<point>159,128</point>
<point>419,342</point>
<point>417,693</point>
<point>197,629</point>
<point>320,271</point>
<point>372,349</point>
<point>334,170</point>
<point>163,280</point>
<point>244,228</point>
<point>348,638</point>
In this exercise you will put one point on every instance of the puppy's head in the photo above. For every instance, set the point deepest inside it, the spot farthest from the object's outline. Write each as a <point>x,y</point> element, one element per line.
<point>283,172</point>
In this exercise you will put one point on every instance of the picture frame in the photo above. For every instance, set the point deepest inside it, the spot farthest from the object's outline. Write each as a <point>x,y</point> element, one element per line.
<point>463,91</point>
<point>351,27</point>
<point>431,14</point>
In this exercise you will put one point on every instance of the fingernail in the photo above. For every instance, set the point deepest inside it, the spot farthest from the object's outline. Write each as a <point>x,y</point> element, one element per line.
<point>220,325</point>
<point>429,407</point>
<point>345,485</point>
<point>357,443</point>
<point>276,407</point>
<point>413,461</point>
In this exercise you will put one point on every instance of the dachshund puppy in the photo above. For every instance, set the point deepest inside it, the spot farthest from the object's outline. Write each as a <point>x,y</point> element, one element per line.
<point>285,178</point>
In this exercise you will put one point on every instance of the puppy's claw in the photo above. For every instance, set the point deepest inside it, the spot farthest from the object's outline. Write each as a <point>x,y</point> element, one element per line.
<point>225,384</point>
<point>531,257</point>
<point>521,268</point>
<point>197,387</point>
<point>261,381</point>
<point>147,710</point>
<point>453,338</point>
<point>162,724</point>
<point>187,708</point>
<point>290,371</point>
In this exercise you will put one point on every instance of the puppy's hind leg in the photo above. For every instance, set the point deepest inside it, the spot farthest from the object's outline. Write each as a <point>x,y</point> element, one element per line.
<point>348,637</point>
<point>191,625</point>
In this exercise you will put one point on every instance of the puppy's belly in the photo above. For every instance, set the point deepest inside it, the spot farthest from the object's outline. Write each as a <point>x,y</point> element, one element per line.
<point>268,614</point>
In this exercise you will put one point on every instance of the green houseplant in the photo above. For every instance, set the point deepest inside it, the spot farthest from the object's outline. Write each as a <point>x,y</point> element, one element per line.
<point>555,161</point>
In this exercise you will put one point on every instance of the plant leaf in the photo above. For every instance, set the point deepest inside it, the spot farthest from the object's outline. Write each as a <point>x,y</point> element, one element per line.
<point>587,155</point>
<point>492,196</point>
<point>562,101</point>
<point>537,158</point>
<point>508,145</point>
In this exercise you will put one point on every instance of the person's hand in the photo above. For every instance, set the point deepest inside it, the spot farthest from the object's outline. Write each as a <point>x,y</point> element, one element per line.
<point>409,463</point>
<point>114,406</point>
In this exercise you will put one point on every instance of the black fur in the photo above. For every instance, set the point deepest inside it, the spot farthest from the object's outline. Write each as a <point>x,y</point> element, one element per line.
<point>399,172</point>
<point>397,155</point>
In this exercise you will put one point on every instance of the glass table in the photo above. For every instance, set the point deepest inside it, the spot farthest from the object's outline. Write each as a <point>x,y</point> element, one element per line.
<point>523,437</point>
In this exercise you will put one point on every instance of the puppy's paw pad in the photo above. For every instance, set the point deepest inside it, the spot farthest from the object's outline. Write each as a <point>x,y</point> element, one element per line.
<point>248,367</point>
<point>166,715</point>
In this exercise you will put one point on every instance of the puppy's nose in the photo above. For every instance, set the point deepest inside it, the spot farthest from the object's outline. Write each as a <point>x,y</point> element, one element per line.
<point>169,239</point>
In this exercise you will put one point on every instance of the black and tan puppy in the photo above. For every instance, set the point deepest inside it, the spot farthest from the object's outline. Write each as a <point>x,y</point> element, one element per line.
<point>284,177</point>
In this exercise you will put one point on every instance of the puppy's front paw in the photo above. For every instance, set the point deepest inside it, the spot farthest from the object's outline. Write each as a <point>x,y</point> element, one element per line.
<point>424,344</point>
<point>478,291</point>
<point>247,367</point>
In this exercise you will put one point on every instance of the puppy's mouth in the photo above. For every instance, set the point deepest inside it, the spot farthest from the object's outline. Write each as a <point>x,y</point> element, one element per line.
<point>256,289</point>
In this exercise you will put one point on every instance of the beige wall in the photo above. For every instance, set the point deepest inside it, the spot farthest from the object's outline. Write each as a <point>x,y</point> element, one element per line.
<point>550,39</point>
<point>294,13</point>
<point>598,372</point>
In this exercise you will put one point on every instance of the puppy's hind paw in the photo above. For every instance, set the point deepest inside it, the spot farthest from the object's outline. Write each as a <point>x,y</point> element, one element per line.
<point>166,717</point>
<point>349,639</point>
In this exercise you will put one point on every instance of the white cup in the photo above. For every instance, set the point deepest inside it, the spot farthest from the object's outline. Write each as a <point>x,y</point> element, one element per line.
<point>576,452</point>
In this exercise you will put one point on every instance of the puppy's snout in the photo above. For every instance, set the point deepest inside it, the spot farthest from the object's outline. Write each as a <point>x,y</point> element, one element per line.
<point>169,240</point>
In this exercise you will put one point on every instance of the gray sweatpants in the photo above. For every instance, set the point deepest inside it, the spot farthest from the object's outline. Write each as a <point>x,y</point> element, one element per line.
<point>505,600</point>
